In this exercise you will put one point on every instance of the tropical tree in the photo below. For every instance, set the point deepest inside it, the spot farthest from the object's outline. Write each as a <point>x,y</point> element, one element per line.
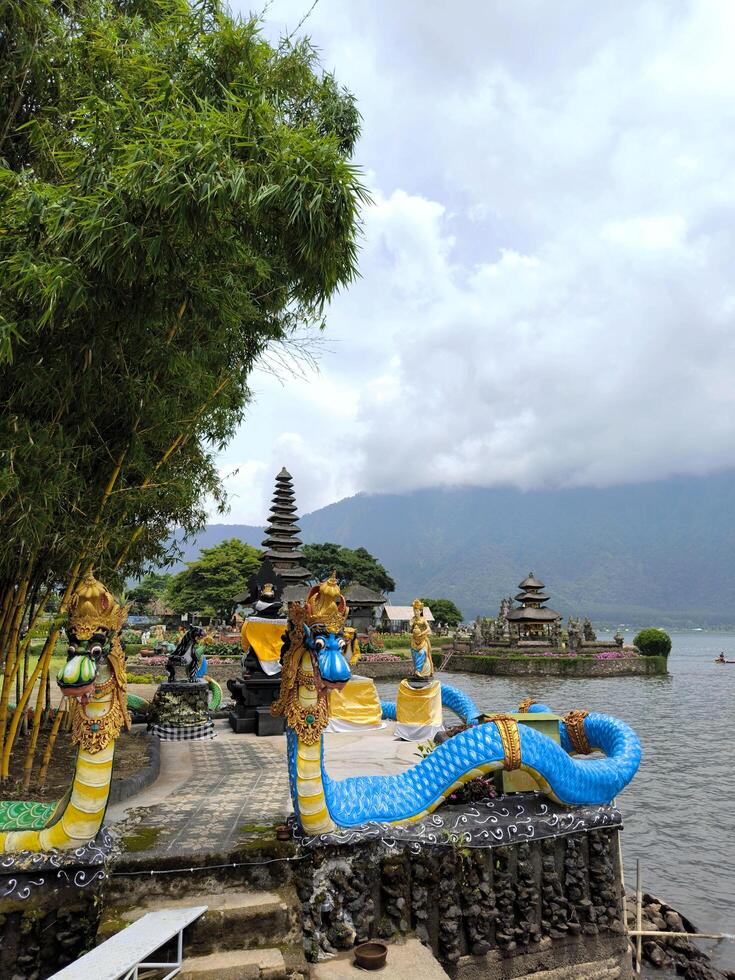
<point>444,611</point>
<point>176,198</point>
<point>210,584</point>
<point>151,587</point>
<point>350,566</point>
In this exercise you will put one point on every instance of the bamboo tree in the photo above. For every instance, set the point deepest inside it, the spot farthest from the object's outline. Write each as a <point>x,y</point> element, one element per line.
<point>154,245</point>
<point>61,713</point>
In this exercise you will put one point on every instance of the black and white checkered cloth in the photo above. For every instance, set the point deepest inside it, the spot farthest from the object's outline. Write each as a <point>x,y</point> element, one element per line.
<point>184,733</point>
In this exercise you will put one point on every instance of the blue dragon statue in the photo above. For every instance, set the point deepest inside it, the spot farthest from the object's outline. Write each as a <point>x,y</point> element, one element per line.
<point>314,663</point>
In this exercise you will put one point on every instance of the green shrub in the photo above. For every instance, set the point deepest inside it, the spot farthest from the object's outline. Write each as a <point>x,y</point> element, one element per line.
<point>144,678</point>
<point>653,643</point>
<point>232,650</point>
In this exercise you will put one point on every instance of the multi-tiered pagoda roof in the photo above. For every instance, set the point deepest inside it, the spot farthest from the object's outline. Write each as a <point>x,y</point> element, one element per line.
<point>282,543</point>
<point>532,597</point>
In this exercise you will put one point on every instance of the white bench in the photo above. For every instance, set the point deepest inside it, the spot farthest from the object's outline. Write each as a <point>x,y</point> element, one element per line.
<point>122,955</point>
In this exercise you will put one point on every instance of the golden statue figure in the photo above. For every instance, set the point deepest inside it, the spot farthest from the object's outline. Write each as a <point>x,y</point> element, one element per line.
<point>323,602</point>
<point>423,665</point>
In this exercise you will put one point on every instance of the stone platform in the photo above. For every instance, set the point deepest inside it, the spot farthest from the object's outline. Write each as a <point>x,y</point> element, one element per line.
<point>501,889</point>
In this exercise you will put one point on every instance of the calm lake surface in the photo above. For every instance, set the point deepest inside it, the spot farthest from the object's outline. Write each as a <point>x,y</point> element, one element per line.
<point>679,811</point>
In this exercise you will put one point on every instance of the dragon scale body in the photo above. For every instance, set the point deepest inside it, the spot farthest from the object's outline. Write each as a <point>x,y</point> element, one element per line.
<point>322,803</point>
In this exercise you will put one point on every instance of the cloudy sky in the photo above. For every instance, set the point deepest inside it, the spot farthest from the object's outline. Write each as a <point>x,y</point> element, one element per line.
<point>547,292</point>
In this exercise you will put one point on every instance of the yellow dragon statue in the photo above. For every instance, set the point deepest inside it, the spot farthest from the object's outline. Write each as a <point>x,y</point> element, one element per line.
<point>93,678</point>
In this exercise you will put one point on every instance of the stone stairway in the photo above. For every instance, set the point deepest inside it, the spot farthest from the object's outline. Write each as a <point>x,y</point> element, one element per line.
<point>244,935</point>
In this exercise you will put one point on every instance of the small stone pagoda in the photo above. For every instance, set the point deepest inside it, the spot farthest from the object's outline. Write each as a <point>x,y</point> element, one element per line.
<point>282,543</point>
<point>532,620</point>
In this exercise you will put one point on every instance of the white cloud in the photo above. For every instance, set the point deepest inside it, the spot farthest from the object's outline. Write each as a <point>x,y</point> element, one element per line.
<point>546,291</point>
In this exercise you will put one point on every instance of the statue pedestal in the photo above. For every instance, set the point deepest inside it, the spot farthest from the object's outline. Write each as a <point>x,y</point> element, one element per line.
<point>356,707</point>
<point>418,710</point>
<point>253,697</point>
<point>179,711</point>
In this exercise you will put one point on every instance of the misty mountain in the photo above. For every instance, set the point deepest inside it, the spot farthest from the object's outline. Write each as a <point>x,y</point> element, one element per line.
<point>659,553</point>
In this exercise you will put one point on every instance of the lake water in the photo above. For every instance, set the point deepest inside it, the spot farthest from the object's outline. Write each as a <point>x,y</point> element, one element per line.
<point>679,811</point>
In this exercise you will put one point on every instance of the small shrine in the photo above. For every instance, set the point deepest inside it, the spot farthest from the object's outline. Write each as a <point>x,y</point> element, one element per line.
<point>280,579</point>
<point>532,620</point>
<point>261,639</point>
<point>363,602</point>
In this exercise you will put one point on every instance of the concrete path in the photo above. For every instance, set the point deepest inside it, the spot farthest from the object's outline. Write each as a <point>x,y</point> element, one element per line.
<point>209,794</point>
<point>408,961</point>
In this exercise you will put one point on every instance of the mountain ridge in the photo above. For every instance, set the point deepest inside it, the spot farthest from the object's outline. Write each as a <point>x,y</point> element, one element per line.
<point>653,553</point>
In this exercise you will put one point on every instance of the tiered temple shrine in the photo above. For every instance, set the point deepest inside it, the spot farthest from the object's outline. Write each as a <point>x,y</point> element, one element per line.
<point>532,619</point>
<point>282,543</point>
<point>281,579</point>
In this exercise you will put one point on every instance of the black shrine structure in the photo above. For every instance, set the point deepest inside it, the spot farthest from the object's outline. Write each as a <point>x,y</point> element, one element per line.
<point>280,579</point>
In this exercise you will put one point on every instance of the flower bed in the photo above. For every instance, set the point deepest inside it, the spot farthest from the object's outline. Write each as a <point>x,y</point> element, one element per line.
<point>622,653</point>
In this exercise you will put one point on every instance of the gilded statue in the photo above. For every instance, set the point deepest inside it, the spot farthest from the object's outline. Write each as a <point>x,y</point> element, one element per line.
<point>423,665</point>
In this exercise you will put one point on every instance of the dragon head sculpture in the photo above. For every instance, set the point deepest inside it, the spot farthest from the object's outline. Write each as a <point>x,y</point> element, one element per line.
<point>324,635</point>
<point>314,659</point>
<point>94,672</point>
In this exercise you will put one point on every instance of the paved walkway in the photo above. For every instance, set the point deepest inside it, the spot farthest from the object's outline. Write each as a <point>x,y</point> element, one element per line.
<point>210,795</point>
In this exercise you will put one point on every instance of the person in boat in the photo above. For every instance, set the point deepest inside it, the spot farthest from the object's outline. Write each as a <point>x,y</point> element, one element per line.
<point>721,658</point>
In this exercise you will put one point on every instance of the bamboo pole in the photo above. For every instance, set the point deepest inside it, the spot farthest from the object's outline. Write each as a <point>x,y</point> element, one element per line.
<point>11,664</point>
<point>638,916</point>
<point>45,657</point>
<point>61,711</point>
<point>37,717</point>
<point>8,596</point>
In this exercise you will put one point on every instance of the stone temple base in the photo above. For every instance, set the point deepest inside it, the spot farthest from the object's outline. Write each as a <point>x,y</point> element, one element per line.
<point>50,907</point>
<point>180,704</point>
<point>501,888</point>
<point>253,696</point>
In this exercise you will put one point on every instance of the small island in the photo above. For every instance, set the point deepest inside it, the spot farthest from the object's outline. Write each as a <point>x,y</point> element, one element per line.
<point>527,638</point>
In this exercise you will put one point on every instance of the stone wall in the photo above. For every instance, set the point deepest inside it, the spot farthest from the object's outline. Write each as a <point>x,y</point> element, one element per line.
<point>520,666</point>
<point>50,908</point>
<point>385,671</point>
<point>486,909</point>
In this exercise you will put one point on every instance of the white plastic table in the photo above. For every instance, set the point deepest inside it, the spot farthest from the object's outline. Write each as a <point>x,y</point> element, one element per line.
<point>122,955</point>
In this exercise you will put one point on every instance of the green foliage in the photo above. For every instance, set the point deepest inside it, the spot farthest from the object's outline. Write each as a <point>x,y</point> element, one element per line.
<point>144,678</point>
<point>210,584</point>
<point>396,641</point>
<point>226,651</point>
<point>151,586</point>
<point>653,642</point>
<point>356,565</point>
<point>444,611</point>
<point>176,198</point>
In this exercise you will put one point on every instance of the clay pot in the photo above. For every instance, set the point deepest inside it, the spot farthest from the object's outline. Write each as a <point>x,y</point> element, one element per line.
<point>371,956</point>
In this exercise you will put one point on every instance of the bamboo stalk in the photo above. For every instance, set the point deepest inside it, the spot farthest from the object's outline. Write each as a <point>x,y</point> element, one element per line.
<point>11,664</point>
<point>638,916</point>
<point>8,596</point>
<point>46,654</point>
<point>61,711</point>
<point>37,718</point>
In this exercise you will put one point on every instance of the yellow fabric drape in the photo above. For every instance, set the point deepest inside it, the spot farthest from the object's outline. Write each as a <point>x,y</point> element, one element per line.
<point>357,703</point>
<point>263,638</point>
<point>419,706</point>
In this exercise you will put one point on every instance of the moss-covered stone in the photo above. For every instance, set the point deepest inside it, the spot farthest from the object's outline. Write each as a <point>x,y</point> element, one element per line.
<point>142,839</point>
